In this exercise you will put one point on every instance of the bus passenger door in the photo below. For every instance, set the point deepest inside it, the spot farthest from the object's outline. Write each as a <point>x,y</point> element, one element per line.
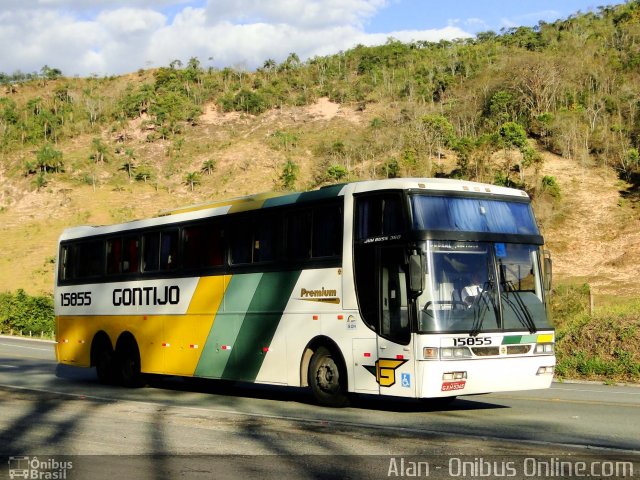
<point>395,367</point>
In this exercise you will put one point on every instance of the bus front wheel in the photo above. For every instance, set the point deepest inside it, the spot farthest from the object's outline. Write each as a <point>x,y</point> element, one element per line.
<point>327,379</point>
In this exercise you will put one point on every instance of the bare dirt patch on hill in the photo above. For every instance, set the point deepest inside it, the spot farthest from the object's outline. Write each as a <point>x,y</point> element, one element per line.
<point>594,236</point>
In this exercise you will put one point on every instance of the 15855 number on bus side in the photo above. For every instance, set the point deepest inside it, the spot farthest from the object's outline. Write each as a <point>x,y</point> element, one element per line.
<point>75,299</point>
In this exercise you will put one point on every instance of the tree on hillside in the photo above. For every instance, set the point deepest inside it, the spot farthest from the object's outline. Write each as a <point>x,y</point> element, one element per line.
<point>50,73</point>
<point>436,132</point>
<point>99,150</point>
<point>39,181</point>
<point>192,179</point>
<point>537,79</point>
<point>208,166</point>
<point>291,63</point>
<point>512,136</point>
<point>8,119</point>
<point>289,174</point>
<point>48,159</point>
<point>143,174</point>
<point>129,165</point>
<point>269,66</point>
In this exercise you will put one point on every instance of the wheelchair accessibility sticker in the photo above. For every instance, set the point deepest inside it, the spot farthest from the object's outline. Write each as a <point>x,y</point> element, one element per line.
<point>405,380</point>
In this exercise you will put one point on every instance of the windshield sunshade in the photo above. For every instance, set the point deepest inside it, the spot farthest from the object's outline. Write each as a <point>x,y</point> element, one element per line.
<point>472,215</point>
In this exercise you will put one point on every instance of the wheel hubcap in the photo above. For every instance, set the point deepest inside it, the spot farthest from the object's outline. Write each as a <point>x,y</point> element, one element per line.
<point>327,377</point>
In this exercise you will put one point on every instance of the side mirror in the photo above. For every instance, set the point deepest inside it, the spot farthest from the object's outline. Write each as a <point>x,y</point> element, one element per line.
<point>416,274</point>
<point>548,270</point>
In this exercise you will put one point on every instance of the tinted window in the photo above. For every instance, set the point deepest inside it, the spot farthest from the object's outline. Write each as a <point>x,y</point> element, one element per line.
<point>203,246</point>
<point>151,252</point>
<point>327,232</point>
<point>114,256</point>
<point>90,256</point>
<point>214,251</point>
<point>169,250</point>
<point>131,255</point>
<point>379,215</point>
<point>264,240</point>
<point>241,242</point>
<point>299,235</point>
<point>66,262</point>
<point>194,246</point>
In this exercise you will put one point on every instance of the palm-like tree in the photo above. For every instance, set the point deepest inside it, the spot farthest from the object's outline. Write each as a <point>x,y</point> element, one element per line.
<point>99,150</point>
<point>208,166</point>
<point>192,179</point>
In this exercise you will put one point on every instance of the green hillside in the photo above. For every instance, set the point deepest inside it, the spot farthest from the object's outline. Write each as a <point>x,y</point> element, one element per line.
<point>553,109</point>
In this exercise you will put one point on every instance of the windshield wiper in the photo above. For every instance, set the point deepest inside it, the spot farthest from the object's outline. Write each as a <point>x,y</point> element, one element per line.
<point>480,313</point>
<point>519,308</point>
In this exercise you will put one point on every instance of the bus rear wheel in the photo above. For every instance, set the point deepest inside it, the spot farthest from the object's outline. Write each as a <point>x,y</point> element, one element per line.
<point>105,368</point>
<point>128,357</point>
<point>327,379</point>
<point>103,358</point>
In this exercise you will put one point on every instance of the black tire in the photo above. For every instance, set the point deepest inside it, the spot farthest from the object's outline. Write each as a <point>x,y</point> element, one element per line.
<point>327,379</point>
<point>106,367</point>
<point>128,357</point>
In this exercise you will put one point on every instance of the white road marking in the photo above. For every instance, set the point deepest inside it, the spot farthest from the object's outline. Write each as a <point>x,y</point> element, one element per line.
<point>8,366</point>
<point>21,346</point>
<point>597,391</point>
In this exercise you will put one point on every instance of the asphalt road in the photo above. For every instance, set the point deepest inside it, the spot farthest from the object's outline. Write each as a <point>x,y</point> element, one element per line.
<point>206,429</point>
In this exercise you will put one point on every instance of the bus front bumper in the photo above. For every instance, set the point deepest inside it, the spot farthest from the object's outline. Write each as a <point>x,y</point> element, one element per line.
<point>485,375</point>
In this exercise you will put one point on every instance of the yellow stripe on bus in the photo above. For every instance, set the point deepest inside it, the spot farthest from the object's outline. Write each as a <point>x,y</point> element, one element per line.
<point>170,344</point>
<point>187,334</point>
<point>546,338</point>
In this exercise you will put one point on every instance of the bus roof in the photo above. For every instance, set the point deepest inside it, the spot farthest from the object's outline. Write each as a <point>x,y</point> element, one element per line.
<point>273,199</point>
<point>436,184</point>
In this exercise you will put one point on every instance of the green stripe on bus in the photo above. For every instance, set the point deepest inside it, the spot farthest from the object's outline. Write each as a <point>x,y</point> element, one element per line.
<point>260,324</point>
<point>517,339</point>
<point>315,195</point>
<point>529,339</point>
<point>226,325</point>
<point>511,340</point>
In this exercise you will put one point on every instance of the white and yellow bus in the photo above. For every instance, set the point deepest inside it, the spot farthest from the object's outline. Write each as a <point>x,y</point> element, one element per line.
<point>423,288</point>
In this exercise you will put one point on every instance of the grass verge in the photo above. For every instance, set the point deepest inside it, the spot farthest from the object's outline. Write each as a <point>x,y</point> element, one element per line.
<point>600,345</point>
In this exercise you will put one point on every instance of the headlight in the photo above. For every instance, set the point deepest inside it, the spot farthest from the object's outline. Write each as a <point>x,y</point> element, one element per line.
<point>447,353</point>
<point>544,349</point>
<point>454,376</point>
<point>545,370</point>
<point>455,352</point>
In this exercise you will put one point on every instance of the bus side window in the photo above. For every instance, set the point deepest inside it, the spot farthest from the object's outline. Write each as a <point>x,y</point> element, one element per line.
<point>91,256</point>
<point>169,250</point>
<point>241,247</point>
<point>299,235</point>
<point>114,256</point>
<point>379,215</point>
<point>327,232</point>
<point>264,240</point>
<point>393,286</point>
<point>66,262</point>
<point>151,252</point>
<point>194,246</point>
<point>215,249</point>
<point>131,255</point>
<point>202,246</point>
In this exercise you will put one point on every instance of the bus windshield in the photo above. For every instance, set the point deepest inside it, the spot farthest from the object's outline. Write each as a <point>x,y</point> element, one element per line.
<point>481,286</point>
